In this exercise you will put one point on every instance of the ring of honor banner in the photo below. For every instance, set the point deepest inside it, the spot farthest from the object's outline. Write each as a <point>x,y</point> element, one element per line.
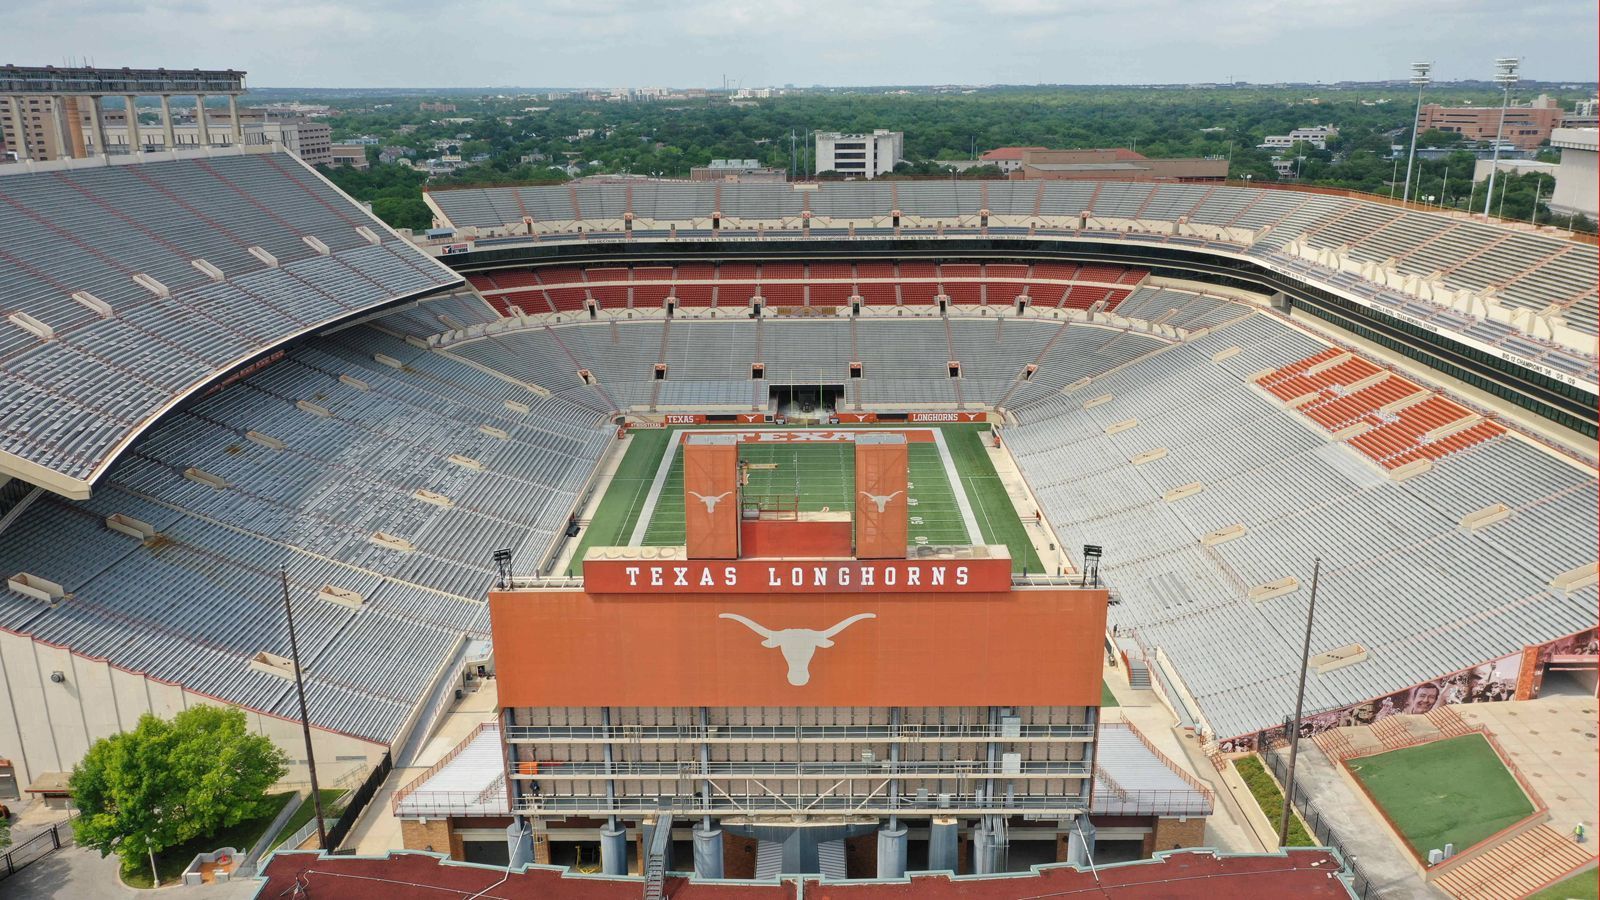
<point>711,496</point>
<point>882,467</point>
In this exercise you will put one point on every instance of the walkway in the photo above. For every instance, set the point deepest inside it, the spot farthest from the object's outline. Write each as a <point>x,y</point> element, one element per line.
<point>378,830</point>
<point>1368,839</point>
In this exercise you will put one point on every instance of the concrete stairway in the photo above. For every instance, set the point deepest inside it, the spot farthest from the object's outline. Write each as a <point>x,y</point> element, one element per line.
<point>1516,868</point>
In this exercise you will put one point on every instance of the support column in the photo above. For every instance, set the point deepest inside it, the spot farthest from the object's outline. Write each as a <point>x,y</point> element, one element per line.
<point>983,850</point>
<point>944,853</point>
<point>614,849</point>
<point>135,139</point>
<point>167,138</point>
<point>1080,841</point>
<point>200,120</point>
<point>233,115</point>
<point>707,851</point>
<point>98,114</point>
<point>519,842</point>
<point>892,851</point>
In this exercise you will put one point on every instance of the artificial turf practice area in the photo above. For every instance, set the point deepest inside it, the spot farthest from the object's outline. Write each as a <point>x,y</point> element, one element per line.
<point>1454,791</point>
<point>817,476</point>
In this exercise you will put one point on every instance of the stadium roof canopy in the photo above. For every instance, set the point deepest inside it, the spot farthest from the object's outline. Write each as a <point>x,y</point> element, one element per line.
<point>127,287</point>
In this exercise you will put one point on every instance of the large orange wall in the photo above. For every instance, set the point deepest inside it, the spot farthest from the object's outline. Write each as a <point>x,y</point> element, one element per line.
<point>1033,647</point>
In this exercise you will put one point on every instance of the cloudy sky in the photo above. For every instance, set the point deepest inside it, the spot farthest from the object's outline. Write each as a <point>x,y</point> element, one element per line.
<point>695,43</point>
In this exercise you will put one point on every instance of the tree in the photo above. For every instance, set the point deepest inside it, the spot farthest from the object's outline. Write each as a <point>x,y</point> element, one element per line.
<point>166,782</point>
<point>403,212</point>
<point>5,832</point>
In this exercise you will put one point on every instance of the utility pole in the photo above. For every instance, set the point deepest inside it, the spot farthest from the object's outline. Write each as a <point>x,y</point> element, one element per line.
<point>1505,74</point>
<point>1299,709</point>
<point>305,723</point>
<point>1420,73</point>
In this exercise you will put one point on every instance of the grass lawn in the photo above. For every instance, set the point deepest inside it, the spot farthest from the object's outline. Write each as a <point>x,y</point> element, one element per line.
<point>1107,699</point>
<point>303,814</point>
<point>1584,886</point>
<point>1270,798</point>
<point>819,476</point>
<point>1455,791</point>
<point>171,862</point>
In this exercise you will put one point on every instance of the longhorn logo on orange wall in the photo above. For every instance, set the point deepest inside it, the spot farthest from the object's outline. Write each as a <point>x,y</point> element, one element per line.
<point>798,645</point>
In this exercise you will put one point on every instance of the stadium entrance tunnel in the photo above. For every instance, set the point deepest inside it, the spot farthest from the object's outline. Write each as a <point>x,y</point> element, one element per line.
<point>805,402</point>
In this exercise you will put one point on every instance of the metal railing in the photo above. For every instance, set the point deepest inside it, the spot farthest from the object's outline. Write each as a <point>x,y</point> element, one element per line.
<point>689,770</point>
<point>20,856</point>
<point>622,734</point>
<point>876,803</point>
<point>1322,829</point>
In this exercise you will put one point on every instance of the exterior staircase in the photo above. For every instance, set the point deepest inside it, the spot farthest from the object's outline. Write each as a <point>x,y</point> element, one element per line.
<point>1517,868</point>
<point>655,863</point>
<point>1138,675</point>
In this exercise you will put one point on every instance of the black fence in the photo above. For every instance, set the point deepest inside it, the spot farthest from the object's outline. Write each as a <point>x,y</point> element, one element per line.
<point>20,856</point>
<point>359,801</point>
<point>1321,829</point>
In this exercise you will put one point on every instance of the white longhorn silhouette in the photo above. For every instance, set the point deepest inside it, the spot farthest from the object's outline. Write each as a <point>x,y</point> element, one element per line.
<point>710,502</point>
<point>881,499</point>
<point>798,644</point>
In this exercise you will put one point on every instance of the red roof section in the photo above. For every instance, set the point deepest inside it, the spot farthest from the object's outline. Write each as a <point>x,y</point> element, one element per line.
<point>1178,875</point>
<point>1000,153</point>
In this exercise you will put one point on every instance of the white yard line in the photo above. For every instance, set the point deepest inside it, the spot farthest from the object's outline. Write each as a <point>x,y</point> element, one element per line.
<point>641,526</point>
<point>649,510</point>
<point>960,490</point>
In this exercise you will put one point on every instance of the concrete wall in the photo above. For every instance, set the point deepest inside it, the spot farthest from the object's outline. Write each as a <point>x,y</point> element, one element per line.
<point>47,726</point>
<point>1576,185</point>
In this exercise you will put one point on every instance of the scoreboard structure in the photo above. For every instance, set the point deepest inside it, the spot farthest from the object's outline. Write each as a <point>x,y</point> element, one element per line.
<point>838,685</point>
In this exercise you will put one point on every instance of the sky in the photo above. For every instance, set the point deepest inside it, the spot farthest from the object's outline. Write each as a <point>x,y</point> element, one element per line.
<point>755,43</point>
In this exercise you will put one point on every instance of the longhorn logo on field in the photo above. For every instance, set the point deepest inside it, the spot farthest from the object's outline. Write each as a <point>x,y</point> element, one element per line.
<point>881,499</point>
<point>798,644</point>
<point>710,502</point>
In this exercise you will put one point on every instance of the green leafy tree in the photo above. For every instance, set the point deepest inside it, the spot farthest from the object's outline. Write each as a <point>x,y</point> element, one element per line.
<point>5,832</point>
<point>166,782</point>
<point>403,212</point>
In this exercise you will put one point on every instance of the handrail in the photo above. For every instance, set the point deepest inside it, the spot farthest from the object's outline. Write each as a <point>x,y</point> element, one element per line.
<point>698,733</point>
<point>402,793</point>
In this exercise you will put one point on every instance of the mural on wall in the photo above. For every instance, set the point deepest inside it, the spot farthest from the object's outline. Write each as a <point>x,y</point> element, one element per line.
<point>1491,681</point>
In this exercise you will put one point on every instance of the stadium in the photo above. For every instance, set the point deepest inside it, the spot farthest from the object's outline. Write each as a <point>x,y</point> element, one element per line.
<point>1154,403</point>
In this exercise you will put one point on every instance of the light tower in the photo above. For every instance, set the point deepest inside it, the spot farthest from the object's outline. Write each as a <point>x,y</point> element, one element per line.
<point>1420,72</point>
<point>1505,74</point>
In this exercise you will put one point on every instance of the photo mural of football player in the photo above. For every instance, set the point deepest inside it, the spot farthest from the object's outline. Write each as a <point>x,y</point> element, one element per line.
<point>1491,681</point>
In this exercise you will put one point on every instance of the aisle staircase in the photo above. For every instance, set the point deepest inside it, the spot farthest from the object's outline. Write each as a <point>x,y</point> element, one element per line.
<point>1517,868</point>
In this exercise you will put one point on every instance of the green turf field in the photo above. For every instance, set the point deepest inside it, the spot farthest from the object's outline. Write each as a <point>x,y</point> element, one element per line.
<point>1454,791</point>
<point>1579,887</point>
<point>816,477</point>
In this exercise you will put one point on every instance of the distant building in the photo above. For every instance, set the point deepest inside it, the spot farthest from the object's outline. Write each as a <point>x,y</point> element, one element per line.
<point>1480,169</point>
<point>1006,159</point>
<point>1526,127</point>
<point>437,107</point>
<point>352,156</point>
<point>1116,164</point>
<point>862,155</point>
<point>1585,114</point>
<point>1576,187</point>
<point>1317,136</point>
<point>738,170</point>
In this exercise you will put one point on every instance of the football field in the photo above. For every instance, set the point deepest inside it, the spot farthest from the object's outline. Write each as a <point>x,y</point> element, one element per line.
<point>954,494</point>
